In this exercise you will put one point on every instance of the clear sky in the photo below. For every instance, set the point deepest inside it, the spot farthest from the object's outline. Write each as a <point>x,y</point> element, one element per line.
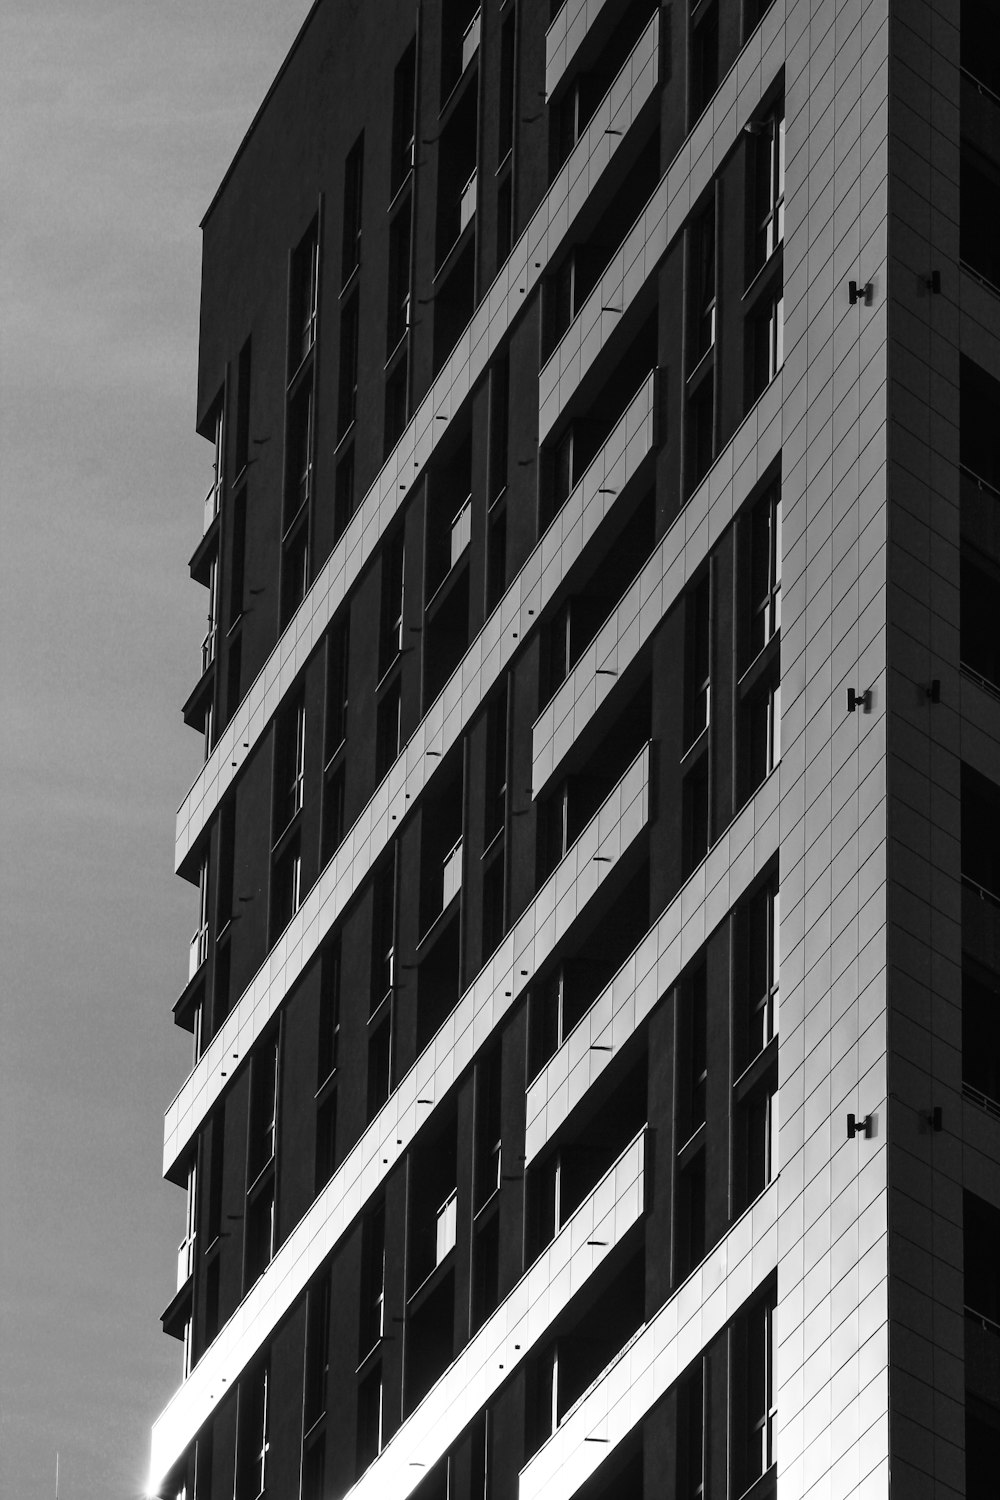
<point>119,117</point>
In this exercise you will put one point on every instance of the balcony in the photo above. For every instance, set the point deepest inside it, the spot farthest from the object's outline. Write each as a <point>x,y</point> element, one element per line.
<point>461,530</point>
<point>451,875</point>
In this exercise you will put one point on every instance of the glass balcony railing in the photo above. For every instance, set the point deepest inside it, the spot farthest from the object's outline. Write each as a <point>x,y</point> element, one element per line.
<point>467,203</point>
<point>451,871</point>
<point>461,530</point>
<point>446,1228</point>
<point>470,39</point>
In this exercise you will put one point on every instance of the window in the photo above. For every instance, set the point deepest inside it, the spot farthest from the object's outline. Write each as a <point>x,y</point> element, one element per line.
<point>237,557</point>
<point>337,659</point>
<point>388,736</point>
<point>979,419</point>
<point>760,1393</point>
<point>347,399</point>
<point>486,1271</point>
<point>253,1441</point>
<point>693,1000</point>
<point>766,343</point>
<point>383,932</point>
<point>391,624</point>
<point>704,54</point>
<point>289,763</point>
<point>372,1310</point>
<point>981,1236</point>
<point>370,1435</point>
<point>379,1064</point>
<point>261,1224</point>
<point>286,885</point>
<point>980,639</point>
<point>980,850</point>
<point>979,205</point>
<point>404,98</point>
<point>326,1141</point>
<point>353,178</point>
<point>242,452</point>
<point>981,1037</point>
<point>294,573</point>
<point>496,558</point>
<point>317,1363</point>
<point>698,643</point>
<point>763,969</point>
<point>263,1125</point>
<point>488,1143</point>
<point>499,423</point>
<point>495,805</point>
<point>398,314</point>
<point>334,822</point>
<point>208,645</point>
<point>979,52</point>
<point>299,477</point>
<point>701,432</point>
<point>767,173</point>
<point>199,941</point>
<point>186,1248</point>
<point>691,1434</point>
<point>343,493</point>
<point>703,259</point>
<point>696,815</point>
<point>508,67</point>
<point>305,297</point>
<point>396,404</point>
<point>328,1043</point>
<point>213,500</point>
<point>505,218</point>
<point>765,571</point>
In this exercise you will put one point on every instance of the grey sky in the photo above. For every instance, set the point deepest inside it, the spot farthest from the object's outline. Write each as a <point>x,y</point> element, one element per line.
<point>118,120</point>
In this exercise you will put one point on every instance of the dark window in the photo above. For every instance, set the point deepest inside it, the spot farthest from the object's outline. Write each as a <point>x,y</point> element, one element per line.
<point>701,431</point>
<point>328,1043</point>
<point>370,1435</point>
<point>690,1233</point>
<point>496,559</point>
<point>348,385</point>
<point>317,1365</point>
<point>404,98</point>
<point>691,1435</point>
<point>981,1241</point>
<point>979,210</point>
<point>694,1052</point>
<point>495,808</point>
<point>391,616</point>
<point>508,65</point>
<point>979,416</point>
<point>696,815</point>
<point>980,635</point>
<point>981,1038</point>
<point>326,1140</point>
<point>703,310</point>
<point>398,315</point>
<point>372,1310</point>
<point>486,1271</point>
<point>982,1443</point>
<point>335,728</point>
<point>488,1148</point>
<point>252,1441</point>
<point>704,59</point>
<point>979,47</point>
<point>353,181</point>
<point>294,573</point>
<point>289,763</point>
<point>505,219</point>
<point>763,969</point>
<point>396,404</point>
<point>379,1065</point>
<point>499,423</point>
<point>698,673</point>
<point>242,446</point>
<point>387,729</point>
<point>334,821</point>
<point>299,474</point>
<point>260,1231</point>
<point>305,297</point>
<point>237,557</point>
<point>980,848</point>
<point>753,12</point>
<point>494,902</point>
<point>263,1124</point>
<point>234,676</point>
<point>343,493</point>
<point>383,932</point>
<point>761,712</point>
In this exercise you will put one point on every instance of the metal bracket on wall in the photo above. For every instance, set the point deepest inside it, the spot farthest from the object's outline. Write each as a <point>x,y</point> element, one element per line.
<point>859,293</point>
<point>863,1126</point>
<point>859,699</point>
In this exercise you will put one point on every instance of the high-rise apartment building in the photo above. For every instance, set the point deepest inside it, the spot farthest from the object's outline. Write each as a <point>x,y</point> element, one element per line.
<point>601,560</point>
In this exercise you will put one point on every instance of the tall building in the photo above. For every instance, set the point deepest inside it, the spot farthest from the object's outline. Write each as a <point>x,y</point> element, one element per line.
<point>601,559</point>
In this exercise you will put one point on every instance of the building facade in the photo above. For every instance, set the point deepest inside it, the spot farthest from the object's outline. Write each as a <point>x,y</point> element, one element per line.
<point>596,985</point>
